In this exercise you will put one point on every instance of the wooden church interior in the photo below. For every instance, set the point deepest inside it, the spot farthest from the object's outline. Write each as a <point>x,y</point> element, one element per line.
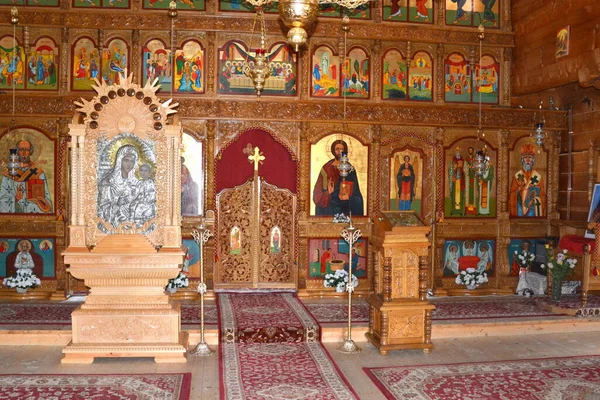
<point>416,87</point>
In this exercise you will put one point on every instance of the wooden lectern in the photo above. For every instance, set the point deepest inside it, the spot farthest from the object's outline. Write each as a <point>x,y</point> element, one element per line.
<point>400,315</point>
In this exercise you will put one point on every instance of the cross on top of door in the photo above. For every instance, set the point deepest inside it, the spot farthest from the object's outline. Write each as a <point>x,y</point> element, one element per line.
<point>256,158</point>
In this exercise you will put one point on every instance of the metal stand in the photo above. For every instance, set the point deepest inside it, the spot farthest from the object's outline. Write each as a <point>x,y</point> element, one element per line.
<point>350,235</point>
<point>201,236</point>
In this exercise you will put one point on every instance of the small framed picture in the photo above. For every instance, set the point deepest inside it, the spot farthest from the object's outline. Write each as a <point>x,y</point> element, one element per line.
<point>562,41</point>
<point>594,213</point>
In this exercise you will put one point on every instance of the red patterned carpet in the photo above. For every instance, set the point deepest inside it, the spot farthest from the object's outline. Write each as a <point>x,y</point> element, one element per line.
<point>60,314</point>
<point>336,313</point>
<point>461,308</point>
<point>539,379</point>
<point>253,371</point>
<point>264,318</point>
<point>105,387</point>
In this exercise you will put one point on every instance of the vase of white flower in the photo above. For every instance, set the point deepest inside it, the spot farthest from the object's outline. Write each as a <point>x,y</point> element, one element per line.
<point>23,280</point>
<point>180,281</point>
<point>471,278</point>
<point>339,280</point>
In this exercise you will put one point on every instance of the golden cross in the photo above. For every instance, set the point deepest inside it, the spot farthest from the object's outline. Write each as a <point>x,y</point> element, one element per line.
<point>256,158</point>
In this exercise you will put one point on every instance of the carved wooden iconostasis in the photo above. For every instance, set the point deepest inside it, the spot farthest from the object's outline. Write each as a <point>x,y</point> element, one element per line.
<point>403,100</point>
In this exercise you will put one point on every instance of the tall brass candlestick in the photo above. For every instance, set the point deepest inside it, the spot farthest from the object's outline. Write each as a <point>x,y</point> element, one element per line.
<point>350,235</point>
<point>201,236</point>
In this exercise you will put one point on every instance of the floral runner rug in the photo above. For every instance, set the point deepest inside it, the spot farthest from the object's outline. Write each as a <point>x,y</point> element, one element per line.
<point>337,313</point>
<point>537,379</point>
<point>146,386</point>
<point>264,318</point>
<point>460,308</point>
<point>252,371</point>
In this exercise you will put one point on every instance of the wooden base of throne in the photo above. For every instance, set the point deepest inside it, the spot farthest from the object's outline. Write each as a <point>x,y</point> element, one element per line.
<point>162,353</point>
<point>127,332</point>
<point>127,313</point>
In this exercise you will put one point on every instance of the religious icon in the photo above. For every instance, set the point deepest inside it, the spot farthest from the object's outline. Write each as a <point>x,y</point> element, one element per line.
<point>467,193</point>
<point>35,254</point>
<point>235,241</point>
<point>275,242</point>
<point>462,254</point>
<point>31,190</point>
<point>332,194</point>
<point>329,255</point>
<point>527,197</point>
<point>406,185</point>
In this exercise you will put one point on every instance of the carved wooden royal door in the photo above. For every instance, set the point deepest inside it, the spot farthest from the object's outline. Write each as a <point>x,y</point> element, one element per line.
<point>256,234</point>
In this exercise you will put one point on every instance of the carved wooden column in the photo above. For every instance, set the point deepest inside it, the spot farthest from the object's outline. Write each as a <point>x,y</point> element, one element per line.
<point>211,131</point>
<point>135,64</point>
<point>63,83</point>
<point>304,61</point>
<point>26,44</point>
<point>439,75</point>
<point>506,81</point>
<point>376,70</point>
<point>439,10</point>
<point>211,65</point>
<point>502,174</point>
<point>506,22</point>
<point>376,184</point>
<point>303,187</point>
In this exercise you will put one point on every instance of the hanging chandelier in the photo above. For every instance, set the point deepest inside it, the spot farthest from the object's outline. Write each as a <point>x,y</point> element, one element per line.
<point>539,135</point>
<point>258,69</point>
<point>481,160</point>
<point>299,15</point>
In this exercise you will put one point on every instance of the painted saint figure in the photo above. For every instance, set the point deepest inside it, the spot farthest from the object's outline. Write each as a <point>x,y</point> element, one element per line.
<point>485,186</point>
<point>118,188</point>
<point>451,265</point>
<point>456,175</point>
<point>26,192</point>
<point>332,194</point>
<point>189,192</point>
<point>527,191</point>
<point>406,184</point>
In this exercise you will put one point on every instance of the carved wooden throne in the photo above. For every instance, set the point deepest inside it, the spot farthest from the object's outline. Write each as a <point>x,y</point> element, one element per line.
<point>124,228</point>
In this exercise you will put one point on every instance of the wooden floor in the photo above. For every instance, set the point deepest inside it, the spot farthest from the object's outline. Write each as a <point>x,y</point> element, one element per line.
<point>205,378</point>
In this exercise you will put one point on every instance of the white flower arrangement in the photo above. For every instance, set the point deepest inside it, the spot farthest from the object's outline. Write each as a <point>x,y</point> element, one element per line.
<point>180,281</point>
<point>471,277</point>
<point>24,279</point>
<point>524,258</point>
<point>339,280</point>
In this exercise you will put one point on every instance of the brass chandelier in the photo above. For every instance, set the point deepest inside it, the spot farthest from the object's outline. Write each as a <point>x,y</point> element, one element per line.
<point>299,15</point>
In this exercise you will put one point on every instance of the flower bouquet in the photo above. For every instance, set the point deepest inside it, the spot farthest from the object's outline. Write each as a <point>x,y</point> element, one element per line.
<point>180,281</point>
<point>23,280</point>
<point>471,278</point>
<point>524,259</point>
<point>560,267</point>
<point>339,280</point>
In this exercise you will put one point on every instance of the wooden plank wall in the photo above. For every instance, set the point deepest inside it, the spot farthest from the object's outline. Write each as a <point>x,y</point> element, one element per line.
<point>572,81</point>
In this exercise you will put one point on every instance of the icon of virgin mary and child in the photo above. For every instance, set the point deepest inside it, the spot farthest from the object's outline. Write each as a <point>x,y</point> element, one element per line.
<point>122,197</point>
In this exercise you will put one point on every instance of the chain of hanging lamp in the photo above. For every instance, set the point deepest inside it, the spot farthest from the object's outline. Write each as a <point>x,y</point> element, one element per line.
<point>13,163</point>
<point>172,15</point>
<point>480,160</point>
<point>344,165</point>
